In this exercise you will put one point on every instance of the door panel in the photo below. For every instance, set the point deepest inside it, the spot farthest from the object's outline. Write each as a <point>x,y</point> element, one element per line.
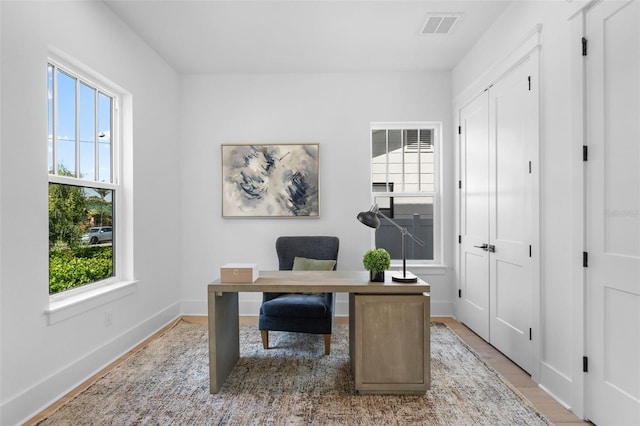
<point>474,215</point>
<point>498,203</point>
<point>613,213</point>
<point>513,131</point>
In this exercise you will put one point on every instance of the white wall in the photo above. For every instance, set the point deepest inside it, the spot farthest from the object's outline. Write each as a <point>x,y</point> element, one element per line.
<point>334,110</point>
<point>557,156</point>
<point>40,362</point>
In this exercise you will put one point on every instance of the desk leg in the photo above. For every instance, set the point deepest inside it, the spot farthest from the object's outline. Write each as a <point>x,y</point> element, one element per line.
<point>352,332</point>
<point>224,337</point>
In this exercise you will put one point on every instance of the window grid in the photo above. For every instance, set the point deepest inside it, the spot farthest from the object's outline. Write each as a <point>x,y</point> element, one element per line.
<point>410,169</point>
<point>405,182</point>
<point>92,153</point>
<point>54,138</point>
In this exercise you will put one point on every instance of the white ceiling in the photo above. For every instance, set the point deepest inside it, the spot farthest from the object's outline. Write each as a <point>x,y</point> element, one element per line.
<point>214,36</point>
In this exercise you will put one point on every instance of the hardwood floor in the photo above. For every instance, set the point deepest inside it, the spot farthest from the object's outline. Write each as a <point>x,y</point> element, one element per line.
<point>555,412</point>
<point>548,406</point>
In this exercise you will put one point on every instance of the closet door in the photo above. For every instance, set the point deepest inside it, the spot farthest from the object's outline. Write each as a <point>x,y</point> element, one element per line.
<point>613,213</point>
<point>473,309</point>
<point>499,217</point>
<point>513,119</point>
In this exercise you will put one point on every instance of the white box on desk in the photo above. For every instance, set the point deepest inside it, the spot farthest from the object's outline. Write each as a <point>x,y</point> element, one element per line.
<point>239,273</point>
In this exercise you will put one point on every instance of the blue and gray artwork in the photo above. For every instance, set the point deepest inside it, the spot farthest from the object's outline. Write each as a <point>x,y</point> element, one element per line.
<point>270,180</point>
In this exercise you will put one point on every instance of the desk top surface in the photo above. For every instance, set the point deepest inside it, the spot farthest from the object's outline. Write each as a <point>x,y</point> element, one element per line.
<point>321,281</point>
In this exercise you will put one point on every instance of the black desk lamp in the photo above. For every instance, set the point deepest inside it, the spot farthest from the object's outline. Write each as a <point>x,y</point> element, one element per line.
<point>370,218</point>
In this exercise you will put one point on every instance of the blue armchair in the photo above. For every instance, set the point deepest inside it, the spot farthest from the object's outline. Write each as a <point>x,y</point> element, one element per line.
<point>296,312</point>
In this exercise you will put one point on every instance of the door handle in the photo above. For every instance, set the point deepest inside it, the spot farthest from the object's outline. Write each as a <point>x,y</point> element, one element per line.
<point>487,247</point>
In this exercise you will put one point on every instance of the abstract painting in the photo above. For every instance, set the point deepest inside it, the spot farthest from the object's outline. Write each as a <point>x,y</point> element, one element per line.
<point>270,180</point>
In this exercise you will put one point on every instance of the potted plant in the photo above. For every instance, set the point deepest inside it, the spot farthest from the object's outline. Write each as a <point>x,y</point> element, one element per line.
<point>376,261</point>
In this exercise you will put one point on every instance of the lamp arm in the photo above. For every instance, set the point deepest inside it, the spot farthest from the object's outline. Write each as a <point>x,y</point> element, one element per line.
<point>402,229</point>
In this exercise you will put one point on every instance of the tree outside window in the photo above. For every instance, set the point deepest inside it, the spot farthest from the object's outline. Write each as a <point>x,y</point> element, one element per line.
<point>81,188</point>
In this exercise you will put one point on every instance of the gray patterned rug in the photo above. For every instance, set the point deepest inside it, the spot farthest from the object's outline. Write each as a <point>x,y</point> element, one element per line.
<point>167,383</point>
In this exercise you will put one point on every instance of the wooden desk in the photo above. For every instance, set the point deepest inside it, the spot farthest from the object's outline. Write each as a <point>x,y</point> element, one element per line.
<point>388,326</point>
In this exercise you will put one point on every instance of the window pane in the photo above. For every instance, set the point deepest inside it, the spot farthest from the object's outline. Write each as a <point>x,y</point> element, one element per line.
<point>379,145</point>
<point>66,107</point>
<point>104,137</point>
<point>87,112</point>
<point>80,236</point>
<point>395,140</point>
<point>413,213</point>
<point>50,118</point>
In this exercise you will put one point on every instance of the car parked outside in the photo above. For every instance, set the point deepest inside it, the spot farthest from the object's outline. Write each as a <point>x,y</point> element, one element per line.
<point>97,234</point>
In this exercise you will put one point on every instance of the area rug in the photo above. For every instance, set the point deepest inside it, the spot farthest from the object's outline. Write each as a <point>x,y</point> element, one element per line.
<point>167,383</point>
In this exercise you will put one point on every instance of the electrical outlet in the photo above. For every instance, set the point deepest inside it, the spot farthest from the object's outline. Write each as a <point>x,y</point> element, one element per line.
<point>108,318</point>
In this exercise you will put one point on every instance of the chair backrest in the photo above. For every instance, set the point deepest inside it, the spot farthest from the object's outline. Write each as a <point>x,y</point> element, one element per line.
<point>312,247</point>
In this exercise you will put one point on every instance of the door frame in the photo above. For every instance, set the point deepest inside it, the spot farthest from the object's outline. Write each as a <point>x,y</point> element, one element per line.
<point>528,46</point>
<point>579,209</point>
<point>579,126</point>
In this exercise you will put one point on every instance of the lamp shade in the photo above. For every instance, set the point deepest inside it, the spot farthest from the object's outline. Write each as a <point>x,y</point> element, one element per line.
<point>369,218</point>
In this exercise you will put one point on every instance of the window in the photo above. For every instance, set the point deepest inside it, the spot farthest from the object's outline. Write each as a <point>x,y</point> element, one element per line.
<point>405,186</point>
<point>83,182</point>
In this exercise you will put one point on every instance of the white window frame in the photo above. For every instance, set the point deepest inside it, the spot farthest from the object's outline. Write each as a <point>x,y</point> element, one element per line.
<point>70,302</point>
<point>436,194</point>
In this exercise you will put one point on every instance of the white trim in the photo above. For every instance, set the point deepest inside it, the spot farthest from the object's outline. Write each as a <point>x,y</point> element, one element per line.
<point>85,183</point>
<point>582,7</point>
<point>122,243</point>
<point>57,384</point>
<point>67,305</point>
<point>85,74</point>
<point>578,391</point>
<point>403,125</point>
<point>553,382</point>
<point>438,211</point>
<point>529,47</point>
<point>530,42</point>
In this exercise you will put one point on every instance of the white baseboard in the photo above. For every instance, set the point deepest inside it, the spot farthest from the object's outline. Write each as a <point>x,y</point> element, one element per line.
<point>50,389</point>
<point>441,308</point>
<point>556,384</point>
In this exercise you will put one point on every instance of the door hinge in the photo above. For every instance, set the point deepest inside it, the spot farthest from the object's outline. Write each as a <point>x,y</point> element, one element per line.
<point>459,130</point>
<point>529,80</point>
<point>529,167</point>
<point>585,259</point>
<point>530,334</point>
<point>585,364</point>
<point>584,46</point>
<point>585,153</point>
<point>459,239</point>
<point>529,250</point>
<point>459,184</point>
<point>459,292</point>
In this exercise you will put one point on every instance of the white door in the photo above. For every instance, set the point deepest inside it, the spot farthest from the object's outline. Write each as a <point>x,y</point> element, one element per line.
<point>613,213</point>
<point>474,215</point>
<point>498,211</point>
<point>513,138</point>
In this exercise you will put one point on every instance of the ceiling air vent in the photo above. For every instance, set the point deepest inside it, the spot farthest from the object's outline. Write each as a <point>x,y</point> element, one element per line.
<point>440,23</point>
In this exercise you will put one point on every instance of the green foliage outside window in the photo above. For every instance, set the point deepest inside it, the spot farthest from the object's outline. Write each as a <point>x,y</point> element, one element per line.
<point>74,262</point>
<point>67,214</point>
<point>69,268</point>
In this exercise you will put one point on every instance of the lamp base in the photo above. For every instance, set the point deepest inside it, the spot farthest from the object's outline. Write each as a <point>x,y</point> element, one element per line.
<point>407,278</point>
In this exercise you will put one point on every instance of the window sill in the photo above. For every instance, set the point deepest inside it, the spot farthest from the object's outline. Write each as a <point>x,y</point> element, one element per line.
<point>67,307</point>
<point>431,269</point>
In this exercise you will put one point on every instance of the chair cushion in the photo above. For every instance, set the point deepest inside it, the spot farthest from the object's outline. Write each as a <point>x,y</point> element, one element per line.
<point>306,264</point>
<point>296,305</point>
